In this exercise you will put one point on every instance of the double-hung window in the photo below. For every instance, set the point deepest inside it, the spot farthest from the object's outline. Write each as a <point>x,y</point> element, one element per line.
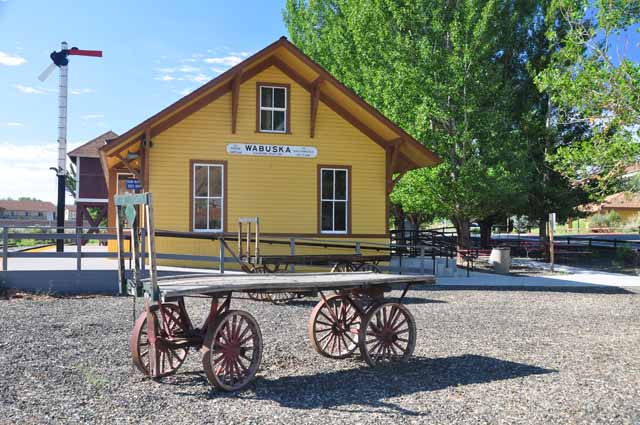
<point>273,109</point>
<point>208,197</point>
<point>334,200</point>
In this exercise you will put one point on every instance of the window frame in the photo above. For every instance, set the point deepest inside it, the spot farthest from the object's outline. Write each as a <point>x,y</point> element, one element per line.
<point>118,175</point>
<point>320,199</point>
<point>287,108</point>
<point>192,197</point>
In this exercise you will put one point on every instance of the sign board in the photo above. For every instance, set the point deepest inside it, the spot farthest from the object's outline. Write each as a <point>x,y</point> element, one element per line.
<point>272,150</point>
<point>552,221</point>
<point>133,184</point>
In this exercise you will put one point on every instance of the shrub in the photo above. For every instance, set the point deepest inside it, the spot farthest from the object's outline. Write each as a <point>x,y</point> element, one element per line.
<point>611,219</point>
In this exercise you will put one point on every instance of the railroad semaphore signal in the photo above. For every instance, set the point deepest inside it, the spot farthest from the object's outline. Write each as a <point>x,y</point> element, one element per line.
<point>61,60</point>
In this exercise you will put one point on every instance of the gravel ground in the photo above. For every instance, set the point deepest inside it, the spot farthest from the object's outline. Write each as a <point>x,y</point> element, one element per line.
<point>481,357</point>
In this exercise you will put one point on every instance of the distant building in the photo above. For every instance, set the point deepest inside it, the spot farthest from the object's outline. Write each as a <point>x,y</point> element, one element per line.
<point>27,210</point>
<point>91,184</point>
<point>70,213</point>
<point>625,204</point>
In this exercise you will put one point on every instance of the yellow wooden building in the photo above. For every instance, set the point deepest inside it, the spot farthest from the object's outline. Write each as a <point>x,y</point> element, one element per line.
<point>276,137</point>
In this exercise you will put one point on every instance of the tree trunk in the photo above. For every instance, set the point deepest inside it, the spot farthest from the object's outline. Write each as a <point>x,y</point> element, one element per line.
<point>485,233</point>
<point>544,238</point>
<point>462,229</point>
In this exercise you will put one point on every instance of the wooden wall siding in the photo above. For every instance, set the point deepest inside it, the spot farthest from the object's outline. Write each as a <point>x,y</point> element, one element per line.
<point>281,191</point>
<point>92,184</point>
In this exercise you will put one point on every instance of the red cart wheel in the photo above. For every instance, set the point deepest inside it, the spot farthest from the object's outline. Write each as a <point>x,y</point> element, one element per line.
<point>387,334</point>
<point>368,267</point>
<point>259,295</point>
<point>170,358</point>
<point>281,297</point>
<point>232,350</point>
<point>334,326</point>
<point>342,267</point>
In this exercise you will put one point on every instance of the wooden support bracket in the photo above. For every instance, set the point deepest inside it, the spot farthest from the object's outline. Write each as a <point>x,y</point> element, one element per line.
<point>235,99</point>
<point>129,167</point>
<point>315,98</point>
<point>392,164</point>
<point>146,151</point>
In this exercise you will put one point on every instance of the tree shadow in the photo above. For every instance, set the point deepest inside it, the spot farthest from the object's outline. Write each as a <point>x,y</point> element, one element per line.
<point>370,387</point>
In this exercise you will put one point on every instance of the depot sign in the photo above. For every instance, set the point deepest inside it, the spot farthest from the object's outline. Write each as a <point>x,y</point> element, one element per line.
<point>272,150</point>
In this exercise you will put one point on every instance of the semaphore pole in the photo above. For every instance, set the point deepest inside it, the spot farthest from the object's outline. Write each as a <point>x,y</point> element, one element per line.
<point>62,149</point>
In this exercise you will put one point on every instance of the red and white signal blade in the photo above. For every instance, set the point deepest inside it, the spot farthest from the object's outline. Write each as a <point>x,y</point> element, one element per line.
<point>45,74</point>
<point>78,52</point>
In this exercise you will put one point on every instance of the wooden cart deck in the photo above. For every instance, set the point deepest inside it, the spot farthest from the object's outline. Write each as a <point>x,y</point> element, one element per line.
<point>217,284</point>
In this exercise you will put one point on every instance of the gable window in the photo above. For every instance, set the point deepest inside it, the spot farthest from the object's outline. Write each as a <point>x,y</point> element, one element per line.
<point>273,114</point>
<point>334,200</point>
<point>207,197</point>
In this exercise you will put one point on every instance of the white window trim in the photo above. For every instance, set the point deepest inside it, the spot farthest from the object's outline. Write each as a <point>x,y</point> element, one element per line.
<point>118,180</point>
<point>194,197</point>
<point>334,200</point>
<point>92,200</point>
<point>272,109</point>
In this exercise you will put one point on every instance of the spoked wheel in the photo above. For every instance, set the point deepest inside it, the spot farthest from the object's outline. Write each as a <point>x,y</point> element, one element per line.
<point>387,334</point>
<point>334,326</point>
<point>282,297</point>
<point>342,268</point>
<point>258,295</point>
<point>368,267</point>
<point>232,350</point>
<point>170,358</point>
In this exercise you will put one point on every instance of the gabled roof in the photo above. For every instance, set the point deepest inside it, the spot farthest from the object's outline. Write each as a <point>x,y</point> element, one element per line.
<point>91,149</point>
<point>39,206</point>
<point>289,59</point>
<point>622,200</point>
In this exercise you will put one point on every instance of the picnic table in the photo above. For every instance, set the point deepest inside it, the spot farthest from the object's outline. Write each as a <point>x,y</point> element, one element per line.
<point>355,316</point>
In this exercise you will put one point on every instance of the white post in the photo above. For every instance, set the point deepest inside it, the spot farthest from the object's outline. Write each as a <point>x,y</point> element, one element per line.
<point>292,250</point>
<point>62,117</point>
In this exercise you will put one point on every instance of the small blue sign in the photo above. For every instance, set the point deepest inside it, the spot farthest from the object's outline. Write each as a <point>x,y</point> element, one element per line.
<point>133,184</point>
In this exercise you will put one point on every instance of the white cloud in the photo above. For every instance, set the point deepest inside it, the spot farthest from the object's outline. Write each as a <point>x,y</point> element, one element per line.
<point>92,117</point>
<point>32,90</point>
<point>166,77</point>
<point>81,91</point>
<point>166,70</point>
<point>14,124</point>
<point>27,167</point>
<point>230,60</point>
<point>199,78</point>
<point>218,70</point>
<point>11,60</point>
<point>188,69</point>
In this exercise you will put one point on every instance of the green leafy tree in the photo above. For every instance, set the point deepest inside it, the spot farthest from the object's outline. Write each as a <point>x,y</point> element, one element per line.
<point>445,71</point>
<point>71,180</point>
<point>592,80</point>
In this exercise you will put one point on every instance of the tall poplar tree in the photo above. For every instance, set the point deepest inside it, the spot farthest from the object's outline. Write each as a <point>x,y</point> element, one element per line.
<point>446,72</point>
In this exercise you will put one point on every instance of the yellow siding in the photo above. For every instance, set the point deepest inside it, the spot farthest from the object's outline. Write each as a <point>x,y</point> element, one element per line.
<point>281,191</point>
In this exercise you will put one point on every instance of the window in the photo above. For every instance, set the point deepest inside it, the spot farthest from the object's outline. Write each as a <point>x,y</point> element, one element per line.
<point>122,183</point>
<point>334,200</point>
<point>208,198</point>
<point>273,115</point>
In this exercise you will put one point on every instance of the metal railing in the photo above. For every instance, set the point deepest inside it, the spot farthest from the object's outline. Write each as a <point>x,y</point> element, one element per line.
<point>75,238</point>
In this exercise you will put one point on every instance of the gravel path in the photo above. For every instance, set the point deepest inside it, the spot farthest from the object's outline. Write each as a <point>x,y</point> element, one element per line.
<point>482,357</point>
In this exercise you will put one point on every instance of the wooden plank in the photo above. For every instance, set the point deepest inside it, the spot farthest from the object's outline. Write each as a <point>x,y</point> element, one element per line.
<point>289,281</point>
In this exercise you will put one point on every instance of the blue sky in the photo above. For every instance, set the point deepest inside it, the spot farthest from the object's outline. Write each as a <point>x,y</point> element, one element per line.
<point>154,52</point>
